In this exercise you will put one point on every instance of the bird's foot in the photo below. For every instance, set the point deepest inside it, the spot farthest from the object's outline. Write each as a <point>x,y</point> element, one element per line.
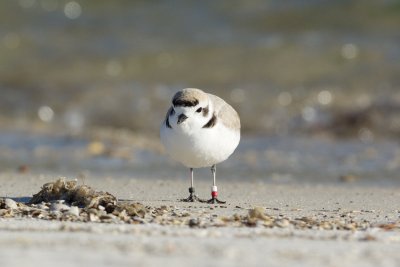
<point>215,200</point>
<point>214,196</point>
<point>192,197</point>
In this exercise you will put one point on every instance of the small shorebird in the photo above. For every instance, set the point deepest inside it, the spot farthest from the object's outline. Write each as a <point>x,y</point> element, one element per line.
<point>200,130</point>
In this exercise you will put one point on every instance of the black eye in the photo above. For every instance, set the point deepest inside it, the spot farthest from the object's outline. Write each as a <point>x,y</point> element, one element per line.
<point>172,112</point>
<point>199,110</point>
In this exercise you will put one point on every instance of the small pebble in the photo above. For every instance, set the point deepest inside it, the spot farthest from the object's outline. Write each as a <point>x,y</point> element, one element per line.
<point>42,206</point>
<point>194,222</point>
<point>348,178</point>
<point>283,223</point>
<point>74,210</point>
<point>10,204</point>
<point>59,207</point>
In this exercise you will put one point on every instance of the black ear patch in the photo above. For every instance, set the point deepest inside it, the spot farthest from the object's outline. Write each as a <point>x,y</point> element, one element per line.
<point>205,111</point>
<point>167,123</point>
<point>211,123</point>
<point>169,113</point>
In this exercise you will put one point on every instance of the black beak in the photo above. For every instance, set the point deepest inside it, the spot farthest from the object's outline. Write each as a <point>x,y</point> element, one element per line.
<point>181,118</point>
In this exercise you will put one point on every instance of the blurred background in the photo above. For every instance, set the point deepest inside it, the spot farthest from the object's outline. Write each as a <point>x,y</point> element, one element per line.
<point>85,84</point>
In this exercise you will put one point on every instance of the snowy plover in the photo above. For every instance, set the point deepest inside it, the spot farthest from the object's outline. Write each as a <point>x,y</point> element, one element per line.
<point>200,130</point>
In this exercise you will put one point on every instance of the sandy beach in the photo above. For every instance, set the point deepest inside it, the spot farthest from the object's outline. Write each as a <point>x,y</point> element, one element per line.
<point>174,240</point>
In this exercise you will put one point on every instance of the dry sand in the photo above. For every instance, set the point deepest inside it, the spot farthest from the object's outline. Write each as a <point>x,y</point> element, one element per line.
<point>35,242</point>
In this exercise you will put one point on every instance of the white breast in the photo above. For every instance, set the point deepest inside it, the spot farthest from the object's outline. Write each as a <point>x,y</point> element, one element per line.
<point>201,148</point>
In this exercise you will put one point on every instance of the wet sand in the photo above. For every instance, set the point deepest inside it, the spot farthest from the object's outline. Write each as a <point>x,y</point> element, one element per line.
<point>215,240</point>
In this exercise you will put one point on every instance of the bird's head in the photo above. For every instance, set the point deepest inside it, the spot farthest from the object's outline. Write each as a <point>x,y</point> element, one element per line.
<point>191,108</point>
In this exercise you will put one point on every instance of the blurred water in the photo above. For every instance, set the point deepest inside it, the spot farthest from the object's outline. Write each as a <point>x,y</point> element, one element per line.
<point>316,84</point>
<point>287,66</point>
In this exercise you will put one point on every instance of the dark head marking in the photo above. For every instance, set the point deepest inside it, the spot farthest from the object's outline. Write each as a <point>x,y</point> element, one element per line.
<point>181,99</point>
<point>211,123</point>
<point>185,103</point>
<point>167,123</point>
<point>205,111</point>
<point>169,113</point>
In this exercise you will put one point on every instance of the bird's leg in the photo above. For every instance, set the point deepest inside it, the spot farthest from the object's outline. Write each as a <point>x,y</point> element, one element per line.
<point>192,197</point>
<point>214,190</point>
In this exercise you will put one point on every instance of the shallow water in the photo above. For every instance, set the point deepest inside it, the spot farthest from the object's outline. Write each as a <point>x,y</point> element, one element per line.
<point>271,159</point>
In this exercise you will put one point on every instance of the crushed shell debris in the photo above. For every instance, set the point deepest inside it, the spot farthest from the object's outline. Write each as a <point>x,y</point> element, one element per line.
<point>66,201</point>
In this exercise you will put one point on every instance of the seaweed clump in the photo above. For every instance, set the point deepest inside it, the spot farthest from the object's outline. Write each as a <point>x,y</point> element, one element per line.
<point>75,195</point>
